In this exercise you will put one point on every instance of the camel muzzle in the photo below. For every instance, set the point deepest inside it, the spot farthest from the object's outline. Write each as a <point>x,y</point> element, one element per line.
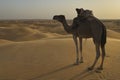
<point>54,17</point>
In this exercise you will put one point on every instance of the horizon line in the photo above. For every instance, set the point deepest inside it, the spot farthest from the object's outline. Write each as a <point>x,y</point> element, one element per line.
<point>46,19</point>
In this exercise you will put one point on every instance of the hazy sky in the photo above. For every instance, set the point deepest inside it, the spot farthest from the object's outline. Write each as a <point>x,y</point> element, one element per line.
<point>45,9</point>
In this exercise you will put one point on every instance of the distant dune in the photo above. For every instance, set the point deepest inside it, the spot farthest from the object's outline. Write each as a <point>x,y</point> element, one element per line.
<point>22,31</point>
<point>43,51</point>
<point>113,34</point>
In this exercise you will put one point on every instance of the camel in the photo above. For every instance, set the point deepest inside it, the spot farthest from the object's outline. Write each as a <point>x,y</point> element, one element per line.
<point>95,30</point>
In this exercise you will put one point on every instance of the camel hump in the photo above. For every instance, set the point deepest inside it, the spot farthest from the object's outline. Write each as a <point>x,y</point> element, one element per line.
<point>84,14</point>
<point>88,13</point>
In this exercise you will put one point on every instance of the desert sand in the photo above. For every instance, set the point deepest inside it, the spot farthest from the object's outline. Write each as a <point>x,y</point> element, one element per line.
<point>42,53</point>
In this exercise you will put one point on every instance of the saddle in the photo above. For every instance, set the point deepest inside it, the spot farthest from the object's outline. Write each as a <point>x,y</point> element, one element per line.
<point>83,16</point>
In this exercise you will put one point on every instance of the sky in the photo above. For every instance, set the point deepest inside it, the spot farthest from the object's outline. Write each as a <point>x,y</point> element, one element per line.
<point>46,9</point>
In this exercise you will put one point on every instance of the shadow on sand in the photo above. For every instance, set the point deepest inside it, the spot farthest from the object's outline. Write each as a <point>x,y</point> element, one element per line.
<point>52,72</point>
<point>82,75</point>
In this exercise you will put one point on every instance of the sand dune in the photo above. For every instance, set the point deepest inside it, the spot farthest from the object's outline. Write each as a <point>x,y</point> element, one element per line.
<point>52,59</point>
<point>20,33</point>
<point>26,33</point>
<point>16,33</point>
<point>43,51</point>
<point>113,34</point>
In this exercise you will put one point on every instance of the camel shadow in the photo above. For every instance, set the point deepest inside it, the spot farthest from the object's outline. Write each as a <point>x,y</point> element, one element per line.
<point>80,76</point>
<point>83,74</point>
<point>52,72</point>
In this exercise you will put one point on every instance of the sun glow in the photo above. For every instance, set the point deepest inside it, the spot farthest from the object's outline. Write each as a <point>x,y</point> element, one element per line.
<point>45,9</point>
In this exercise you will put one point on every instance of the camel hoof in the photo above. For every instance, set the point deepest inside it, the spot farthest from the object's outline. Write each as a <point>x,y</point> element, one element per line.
<point>76,63</point>
<point>90,68</point>
<point>81,62</point>
<point>99,68</point>
<point>97,71</point>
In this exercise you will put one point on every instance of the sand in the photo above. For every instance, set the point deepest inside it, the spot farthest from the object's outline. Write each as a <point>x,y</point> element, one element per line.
<point>52,57</point>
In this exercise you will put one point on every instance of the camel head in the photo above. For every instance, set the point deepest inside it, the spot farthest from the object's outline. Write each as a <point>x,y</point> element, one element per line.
<point>59,18</point>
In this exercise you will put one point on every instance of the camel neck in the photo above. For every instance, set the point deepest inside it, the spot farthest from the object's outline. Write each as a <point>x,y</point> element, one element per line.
<point>66,26</point>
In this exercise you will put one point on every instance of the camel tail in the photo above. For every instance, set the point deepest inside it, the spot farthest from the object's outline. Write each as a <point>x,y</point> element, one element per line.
<point>103,37</point>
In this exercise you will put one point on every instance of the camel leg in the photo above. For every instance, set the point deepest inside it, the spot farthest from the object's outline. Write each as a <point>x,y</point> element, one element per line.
<point>97,56</point>
<point>81,57</point>
<point>76,44</point>
<point>103,56</point>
